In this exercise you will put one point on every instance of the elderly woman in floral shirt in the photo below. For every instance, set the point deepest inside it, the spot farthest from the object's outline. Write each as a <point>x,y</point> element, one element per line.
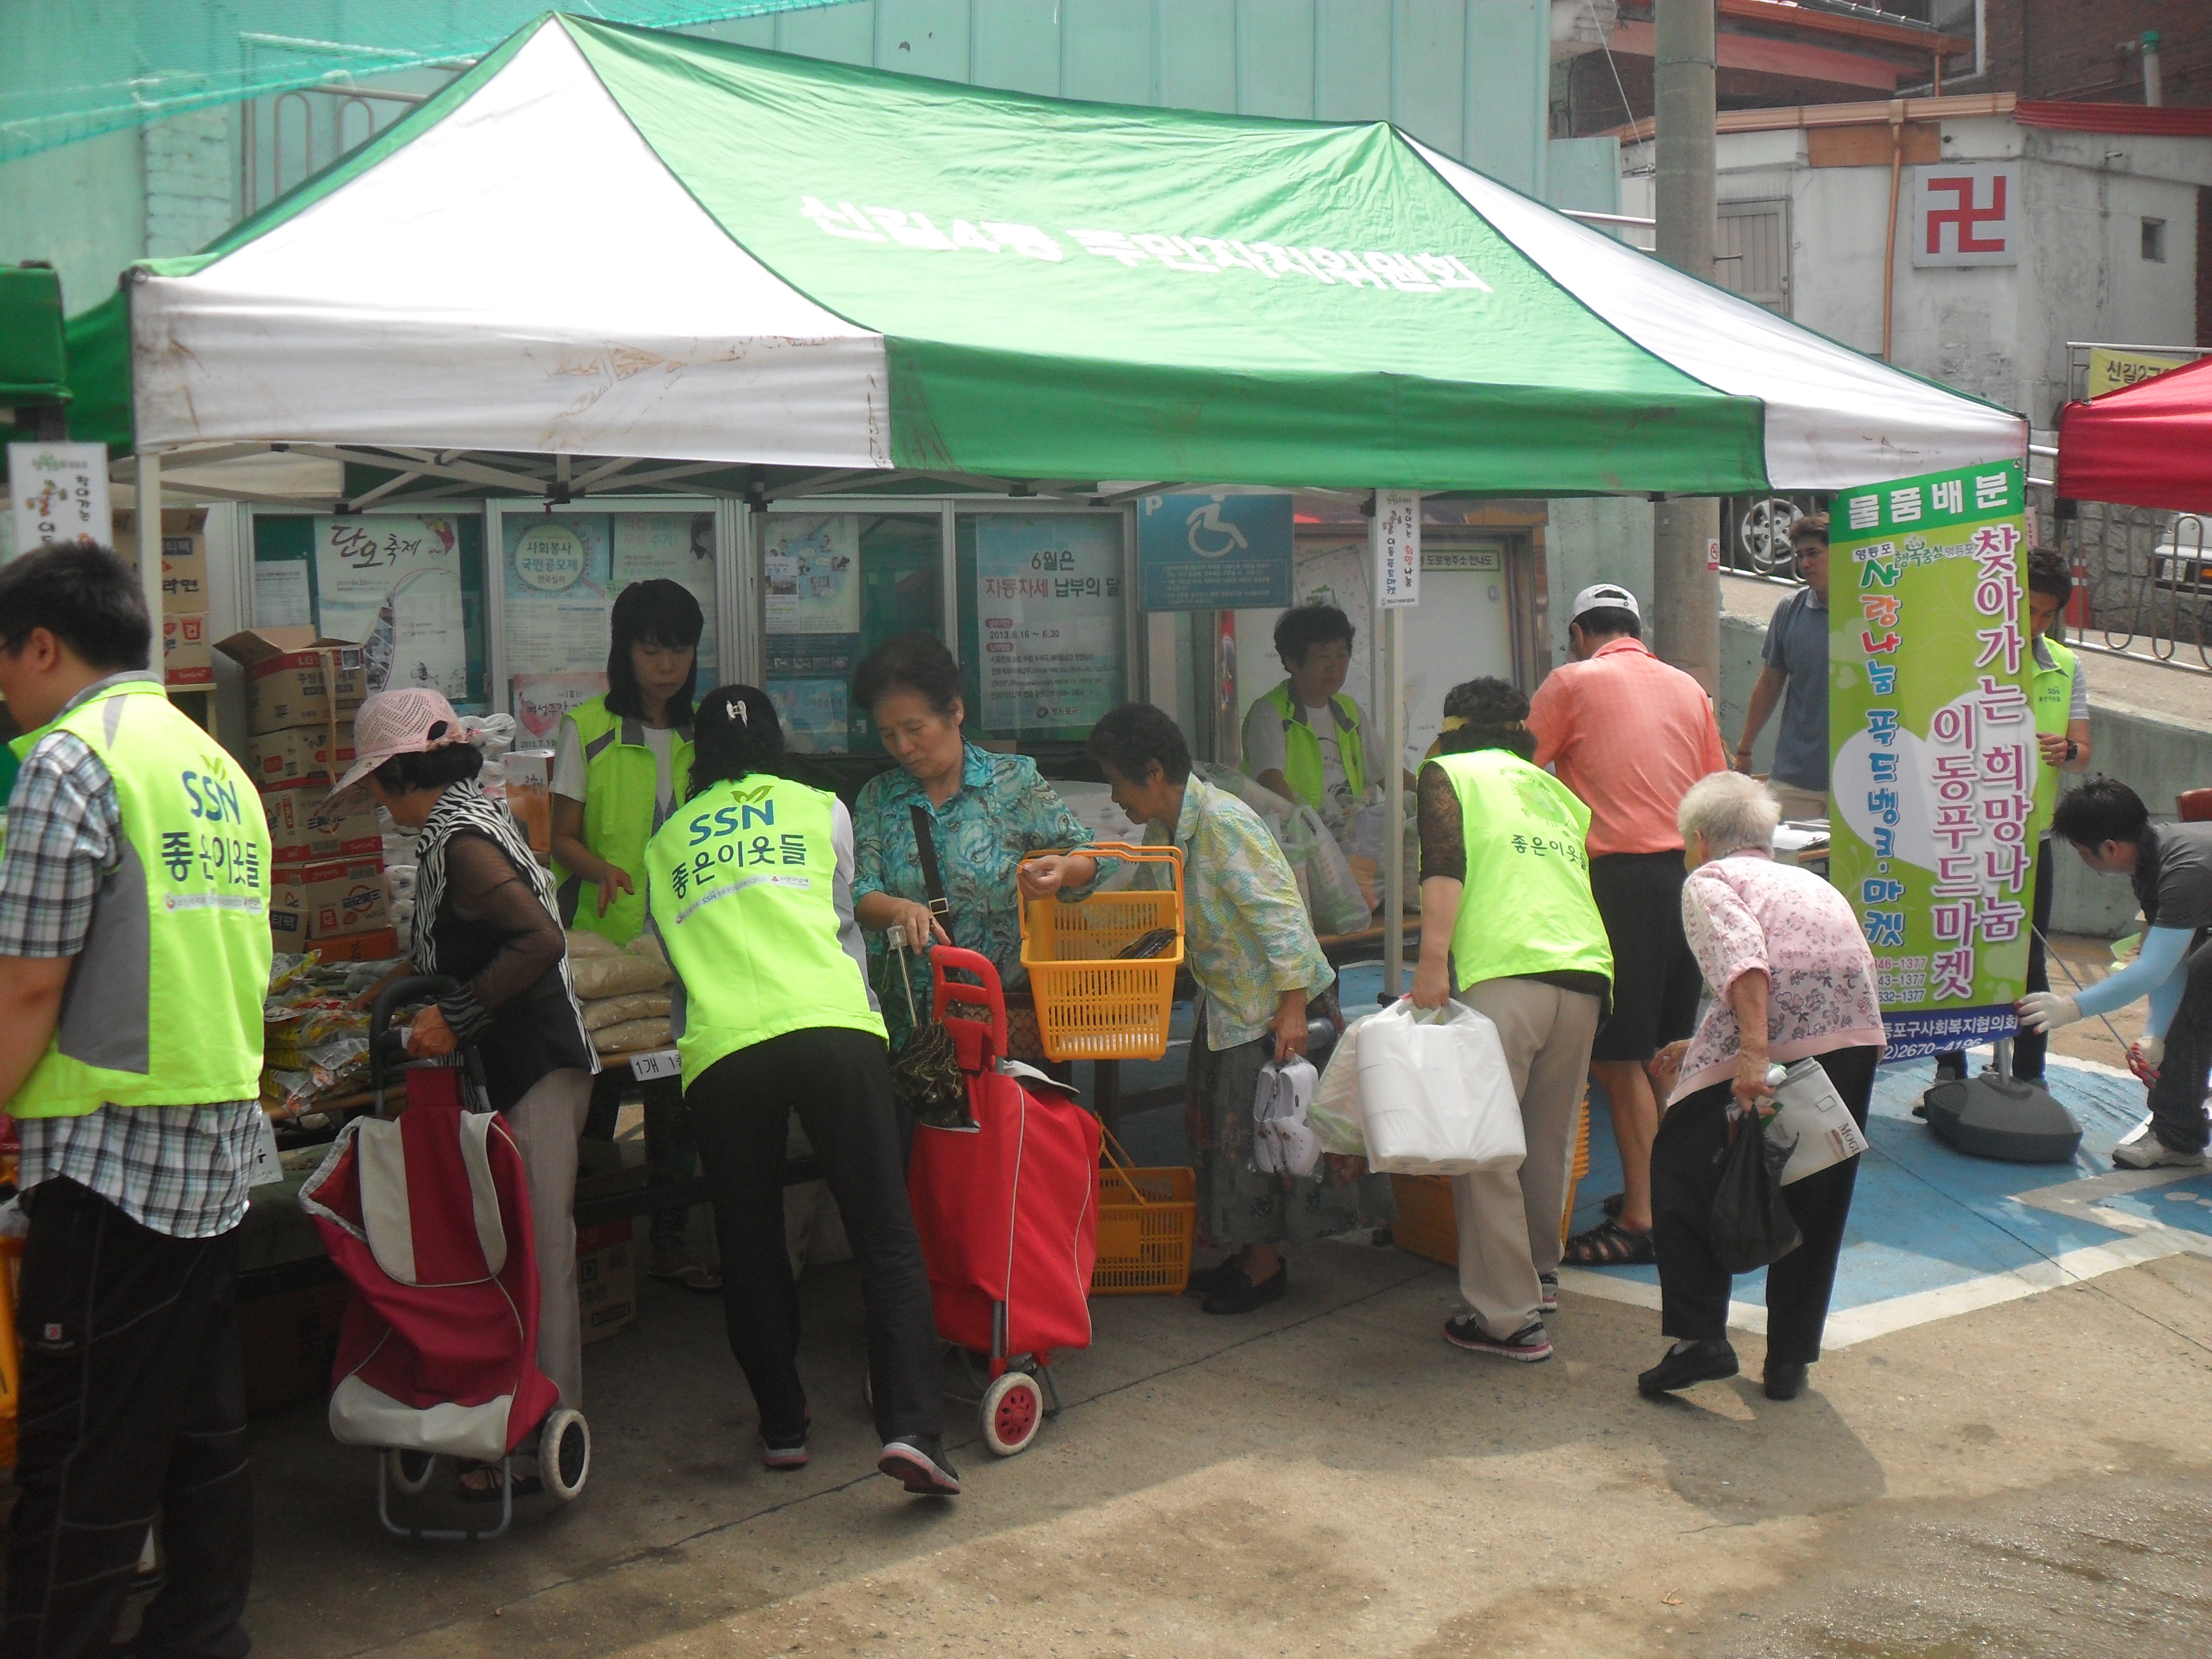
<point>1791,978</point>
<point>1250,946</point>
<point>985,814</point>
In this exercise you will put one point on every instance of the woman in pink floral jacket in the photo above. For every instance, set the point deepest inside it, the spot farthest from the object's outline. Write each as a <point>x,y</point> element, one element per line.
<point>1791,977</point>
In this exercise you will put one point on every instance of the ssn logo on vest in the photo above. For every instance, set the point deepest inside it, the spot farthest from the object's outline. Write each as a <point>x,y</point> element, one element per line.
<point>734,852</point>
<point>223,860</point>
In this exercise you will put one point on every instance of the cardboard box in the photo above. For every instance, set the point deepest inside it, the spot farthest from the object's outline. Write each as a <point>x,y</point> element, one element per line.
<point>308,902</point>
<point>184,554</point>
<point>289,1342</point>
<point>606,1278</point>
<point>300,755</point>
<point>301,832</point>
<point>289,676</point>
<point>185,657</point>
<point>377,944</point>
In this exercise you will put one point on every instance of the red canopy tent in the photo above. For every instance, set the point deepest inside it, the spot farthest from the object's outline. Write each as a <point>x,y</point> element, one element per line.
<point>2147,445</point>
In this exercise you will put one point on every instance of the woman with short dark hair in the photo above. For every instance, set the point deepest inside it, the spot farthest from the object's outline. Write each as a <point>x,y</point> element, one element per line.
<point>984,816</point>
<point>749,888</point>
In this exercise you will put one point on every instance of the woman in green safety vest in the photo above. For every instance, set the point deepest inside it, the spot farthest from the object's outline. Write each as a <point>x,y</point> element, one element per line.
<point>619,766</point>
<point>749,888</point>
<point>1305,739</point>
<point>1509,927</point>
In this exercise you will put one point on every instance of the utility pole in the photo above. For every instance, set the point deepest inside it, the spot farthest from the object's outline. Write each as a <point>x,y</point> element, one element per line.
<point>1686,594</point>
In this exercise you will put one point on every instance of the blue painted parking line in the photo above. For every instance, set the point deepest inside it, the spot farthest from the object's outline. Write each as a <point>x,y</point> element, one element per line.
<point>1934,1233</point>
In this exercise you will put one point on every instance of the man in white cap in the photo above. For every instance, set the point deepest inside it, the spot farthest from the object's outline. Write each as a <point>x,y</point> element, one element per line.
<point>1630,735</point>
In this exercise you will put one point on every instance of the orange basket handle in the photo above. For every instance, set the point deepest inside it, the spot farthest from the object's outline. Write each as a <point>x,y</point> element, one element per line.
<point>1124,1165</point>
<point>1118,849</point>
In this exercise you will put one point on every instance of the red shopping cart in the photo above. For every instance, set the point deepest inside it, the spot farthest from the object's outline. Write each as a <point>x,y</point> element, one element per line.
<point>1008,1213</point>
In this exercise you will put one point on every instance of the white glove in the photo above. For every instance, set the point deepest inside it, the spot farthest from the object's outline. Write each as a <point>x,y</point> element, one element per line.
<point>2046,1010</point>
<point>2150,1050</point>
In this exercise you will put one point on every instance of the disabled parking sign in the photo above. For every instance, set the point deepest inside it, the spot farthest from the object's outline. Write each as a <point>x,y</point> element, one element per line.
<point>1215,551</point>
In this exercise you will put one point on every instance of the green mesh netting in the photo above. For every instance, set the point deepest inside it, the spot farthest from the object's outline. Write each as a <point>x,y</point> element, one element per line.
<point>71,71</point>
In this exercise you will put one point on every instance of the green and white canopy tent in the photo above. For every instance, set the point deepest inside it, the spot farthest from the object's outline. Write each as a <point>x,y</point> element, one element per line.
<point>610,242</point>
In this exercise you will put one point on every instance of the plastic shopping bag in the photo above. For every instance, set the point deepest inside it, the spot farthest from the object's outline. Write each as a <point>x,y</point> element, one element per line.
<point>1751,1226</point>
<point>1333,1113</point>
<point>1338,905</point>
<point>1435,1093</point>
<point>1282,1143</point>
<point>1813,1127</point>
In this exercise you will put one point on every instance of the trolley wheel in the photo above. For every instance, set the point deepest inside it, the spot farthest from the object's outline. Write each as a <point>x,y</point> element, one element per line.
<point>564,1455</point>
<point>1013,1406</point>
<point>409,1472</point>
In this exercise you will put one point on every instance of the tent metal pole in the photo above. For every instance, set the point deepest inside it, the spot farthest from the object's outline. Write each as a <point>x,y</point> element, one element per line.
<point>150,545</point>
<point>1393,806</point>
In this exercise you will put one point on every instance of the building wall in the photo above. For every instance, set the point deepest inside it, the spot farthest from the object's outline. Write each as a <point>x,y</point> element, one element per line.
<point>81,208</point>
<point>2068,49</point>
<point>192,180</point>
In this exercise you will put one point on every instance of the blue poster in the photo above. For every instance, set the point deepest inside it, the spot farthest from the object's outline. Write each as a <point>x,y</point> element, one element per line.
<point>1214,552</point>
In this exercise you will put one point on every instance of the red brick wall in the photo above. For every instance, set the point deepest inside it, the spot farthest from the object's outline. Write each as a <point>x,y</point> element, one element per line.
<point>2067,48</point>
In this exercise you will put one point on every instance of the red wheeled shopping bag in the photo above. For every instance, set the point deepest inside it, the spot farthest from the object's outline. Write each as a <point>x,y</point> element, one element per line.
<point>1008,1210</point>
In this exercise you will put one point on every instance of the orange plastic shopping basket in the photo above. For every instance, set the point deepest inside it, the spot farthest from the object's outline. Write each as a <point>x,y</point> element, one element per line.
<point>1089,1004</point>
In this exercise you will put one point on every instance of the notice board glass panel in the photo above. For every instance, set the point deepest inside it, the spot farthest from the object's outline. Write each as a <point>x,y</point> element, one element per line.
<point>563,572</point>
<point>1043,623</point>
<point>409,587</point>
<point>837,585</point>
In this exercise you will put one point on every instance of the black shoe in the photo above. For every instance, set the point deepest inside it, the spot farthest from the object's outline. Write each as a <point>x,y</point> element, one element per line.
<point>1225,1274</point>
<point>1243,1296</point>
<point>1950,1068</point>
<point>784,1451</point>
<point>1530,1345</point>
<point>1785,1379</point>
<point>918,1462</point>
<point>1706,1360</point>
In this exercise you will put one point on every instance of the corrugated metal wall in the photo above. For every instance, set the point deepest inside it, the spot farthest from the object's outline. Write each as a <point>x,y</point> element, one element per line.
<point>1467,77</point>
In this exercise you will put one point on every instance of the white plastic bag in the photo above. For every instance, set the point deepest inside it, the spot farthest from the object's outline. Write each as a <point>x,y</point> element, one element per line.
<point>1337,904</point>
<point>1333,1113</point>
<point>1282,1143</point>
<point>1813,1122</point>
<point>1435,1093</point>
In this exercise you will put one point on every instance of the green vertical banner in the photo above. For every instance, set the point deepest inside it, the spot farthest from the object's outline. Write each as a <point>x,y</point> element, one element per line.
<point>1929,662</point>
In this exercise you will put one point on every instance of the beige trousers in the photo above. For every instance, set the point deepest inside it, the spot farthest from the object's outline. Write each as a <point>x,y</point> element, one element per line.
<point>1799,803</point>
<point>546,1122</point>
<point>1509,1220</point>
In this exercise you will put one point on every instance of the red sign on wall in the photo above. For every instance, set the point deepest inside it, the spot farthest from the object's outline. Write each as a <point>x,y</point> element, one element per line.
<point>1967,213</point>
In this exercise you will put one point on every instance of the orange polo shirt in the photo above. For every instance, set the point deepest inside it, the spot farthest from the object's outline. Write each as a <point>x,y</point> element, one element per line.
<point>1629,735</point>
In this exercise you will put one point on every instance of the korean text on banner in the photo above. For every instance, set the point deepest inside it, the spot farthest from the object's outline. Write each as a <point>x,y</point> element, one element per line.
<point>1397,548</point>
<point>1936,756</point>
<point>392,582</point>
<point>60,493</point>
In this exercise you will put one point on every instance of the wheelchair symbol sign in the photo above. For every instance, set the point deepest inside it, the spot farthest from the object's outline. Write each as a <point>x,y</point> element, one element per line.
<point>1210,538</point>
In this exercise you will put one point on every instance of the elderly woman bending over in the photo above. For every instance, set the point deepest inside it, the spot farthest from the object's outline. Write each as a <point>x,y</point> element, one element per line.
<point>1791,976</point>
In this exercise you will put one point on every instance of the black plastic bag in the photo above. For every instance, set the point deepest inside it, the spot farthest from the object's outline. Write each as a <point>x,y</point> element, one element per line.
<point>1751,1226</point>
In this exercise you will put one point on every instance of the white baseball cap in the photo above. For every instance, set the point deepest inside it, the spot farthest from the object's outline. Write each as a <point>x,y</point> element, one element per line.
<point>1606,596</point>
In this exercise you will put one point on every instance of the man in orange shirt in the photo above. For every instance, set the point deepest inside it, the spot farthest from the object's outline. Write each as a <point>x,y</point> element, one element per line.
<point>1630,735</point>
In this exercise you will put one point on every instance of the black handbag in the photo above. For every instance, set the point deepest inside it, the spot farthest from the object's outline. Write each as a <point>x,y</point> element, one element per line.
<point>1751,1226</point>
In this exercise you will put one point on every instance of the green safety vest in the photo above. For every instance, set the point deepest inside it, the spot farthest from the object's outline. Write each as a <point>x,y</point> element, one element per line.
<point>742,882</point>
<point>1302,746</point>
<point>1526,907</point>
<point>622,811</point>
<point>2052,699</point>
<point>163,1005</point>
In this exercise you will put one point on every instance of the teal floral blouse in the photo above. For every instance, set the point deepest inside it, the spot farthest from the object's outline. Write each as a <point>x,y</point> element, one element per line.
<point>1003,811</point>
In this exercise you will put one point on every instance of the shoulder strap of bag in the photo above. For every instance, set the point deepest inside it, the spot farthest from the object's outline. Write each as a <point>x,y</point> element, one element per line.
<point>932,878</point>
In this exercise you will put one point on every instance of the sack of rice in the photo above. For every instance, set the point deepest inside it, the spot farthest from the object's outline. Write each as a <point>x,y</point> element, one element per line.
<point>632,1035</point>
<point>617,975</point>
<point>614,1011</point>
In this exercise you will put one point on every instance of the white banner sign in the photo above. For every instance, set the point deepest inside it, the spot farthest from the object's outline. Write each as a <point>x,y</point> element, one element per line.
<point>60,492</point>
<point>1397,548</point>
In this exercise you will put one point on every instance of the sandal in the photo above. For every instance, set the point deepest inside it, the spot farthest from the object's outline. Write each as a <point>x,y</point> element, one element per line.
<point>675,1268</point>
<point>479,1484</point>
<point>1609,1244</point>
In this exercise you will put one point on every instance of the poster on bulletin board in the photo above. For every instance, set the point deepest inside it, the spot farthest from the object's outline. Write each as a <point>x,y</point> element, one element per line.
<point>1049,595</point>
<point>393,582</point>
<point>557,574</point>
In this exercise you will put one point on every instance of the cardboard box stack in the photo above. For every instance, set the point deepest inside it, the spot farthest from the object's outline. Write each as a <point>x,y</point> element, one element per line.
<point>327,887</point>
<point>185,655</point>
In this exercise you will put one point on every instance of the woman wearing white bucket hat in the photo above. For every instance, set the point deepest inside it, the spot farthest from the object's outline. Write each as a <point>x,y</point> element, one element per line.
<point>485,915</point>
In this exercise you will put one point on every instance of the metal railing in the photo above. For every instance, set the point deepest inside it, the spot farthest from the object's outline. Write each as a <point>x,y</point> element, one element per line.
<point>2147,577</point>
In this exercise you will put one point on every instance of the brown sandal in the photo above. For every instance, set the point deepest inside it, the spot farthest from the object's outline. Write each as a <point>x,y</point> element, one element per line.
<point>1609,1244</point>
